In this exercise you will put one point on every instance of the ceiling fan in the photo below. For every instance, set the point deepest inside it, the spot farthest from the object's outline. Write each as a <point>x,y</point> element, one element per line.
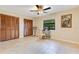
<point>40,9</point>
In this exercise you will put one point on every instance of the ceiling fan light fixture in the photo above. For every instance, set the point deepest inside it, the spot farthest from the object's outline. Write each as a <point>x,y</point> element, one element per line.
<point>34,8</point>
<point>40,11</point>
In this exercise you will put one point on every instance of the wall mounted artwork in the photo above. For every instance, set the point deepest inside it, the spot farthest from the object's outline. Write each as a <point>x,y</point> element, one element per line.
<point>66,21</point>
<point>49,24</point>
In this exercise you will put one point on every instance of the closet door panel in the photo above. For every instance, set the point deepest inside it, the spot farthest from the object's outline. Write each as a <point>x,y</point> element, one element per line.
<point>25,27</point>
<point>28,24</point>
<point>17,28</point>
<point>30,27</point>
<point>3,28</point>
<point>14,19</point>
<point>25,30</point>
<point>0,27</point>
<point>8,25</point>
<point>12,27</point>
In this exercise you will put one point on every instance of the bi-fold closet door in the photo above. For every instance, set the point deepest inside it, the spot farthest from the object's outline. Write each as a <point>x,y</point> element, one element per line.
<point>28,27</point>
<point>9,27</point>
<point>14,28</point>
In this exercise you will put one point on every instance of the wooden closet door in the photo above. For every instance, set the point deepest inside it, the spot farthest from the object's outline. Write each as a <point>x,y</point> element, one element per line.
<point>0,27</point>
<point>17,28</point>
<point>8,25</point>
<point>25,28</point>
<point>28,27</point>
<point>3,31</point>
<point>12,28</point>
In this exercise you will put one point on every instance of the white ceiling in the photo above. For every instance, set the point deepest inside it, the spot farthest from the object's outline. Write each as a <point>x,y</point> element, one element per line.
<point>25,9</point>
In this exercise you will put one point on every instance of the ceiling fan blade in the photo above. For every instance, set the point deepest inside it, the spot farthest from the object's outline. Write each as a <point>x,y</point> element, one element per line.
<point>37,6</point>
<point>33,10</point>
<point>47,8</point>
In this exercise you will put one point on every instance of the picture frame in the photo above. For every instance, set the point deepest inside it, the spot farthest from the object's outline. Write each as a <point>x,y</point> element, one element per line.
<point>66,21</point>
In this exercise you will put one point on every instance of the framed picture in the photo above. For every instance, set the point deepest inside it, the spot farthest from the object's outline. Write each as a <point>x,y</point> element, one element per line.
<point>66,21</point>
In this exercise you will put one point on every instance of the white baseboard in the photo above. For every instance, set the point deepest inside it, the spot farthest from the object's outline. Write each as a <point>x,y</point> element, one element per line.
<point>69,41</point>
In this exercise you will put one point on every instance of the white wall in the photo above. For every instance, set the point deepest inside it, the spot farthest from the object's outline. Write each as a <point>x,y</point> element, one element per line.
<point>21,21</point>
<point>68,34</point>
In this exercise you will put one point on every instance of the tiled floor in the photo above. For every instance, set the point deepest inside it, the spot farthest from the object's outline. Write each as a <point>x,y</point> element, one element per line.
<point>34,45</point>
